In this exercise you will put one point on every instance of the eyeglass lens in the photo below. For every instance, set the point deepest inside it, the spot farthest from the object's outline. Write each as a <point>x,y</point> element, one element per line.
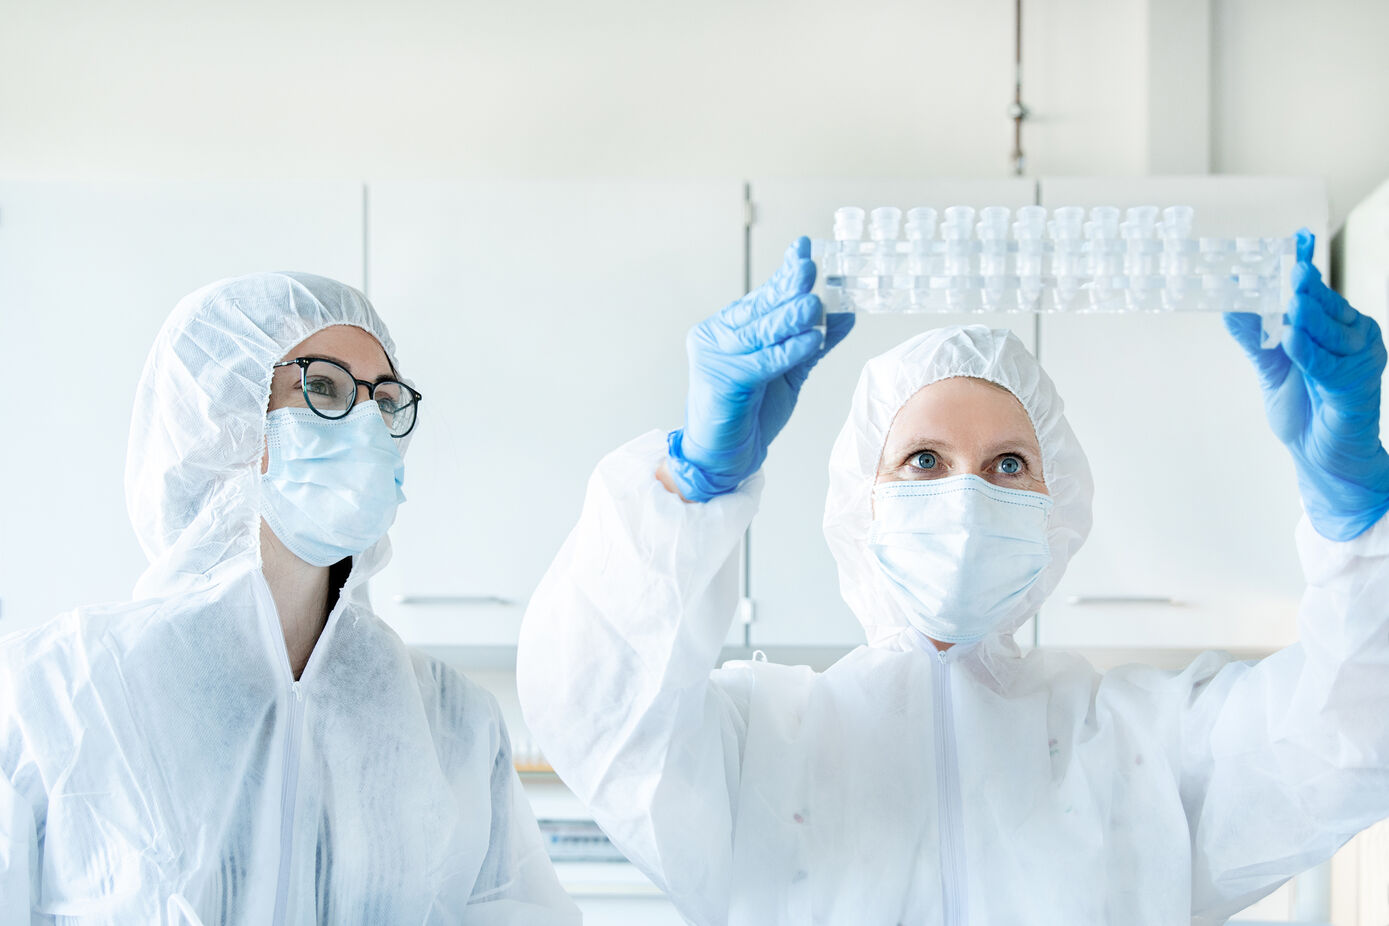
<point>331,392</point>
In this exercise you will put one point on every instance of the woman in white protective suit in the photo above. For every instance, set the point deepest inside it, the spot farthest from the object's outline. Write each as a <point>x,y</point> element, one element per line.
<point>246,742</point>
<point>938,774</point>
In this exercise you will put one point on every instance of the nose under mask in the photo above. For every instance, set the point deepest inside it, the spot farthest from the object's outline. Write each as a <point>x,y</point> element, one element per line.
<point>332,487</point>
<point>959,554</point>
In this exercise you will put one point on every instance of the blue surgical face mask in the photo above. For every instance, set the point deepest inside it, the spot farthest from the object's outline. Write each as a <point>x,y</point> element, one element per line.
<point>959,554</point>
<point>332,486</point>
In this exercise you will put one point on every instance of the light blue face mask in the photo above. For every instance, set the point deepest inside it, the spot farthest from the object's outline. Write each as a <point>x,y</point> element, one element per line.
<point>332,486</point>
<point>959,553</point>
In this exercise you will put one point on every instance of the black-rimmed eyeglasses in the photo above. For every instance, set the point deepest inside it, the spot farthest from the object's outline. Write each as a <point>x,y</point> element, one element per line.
<point>331,391</point>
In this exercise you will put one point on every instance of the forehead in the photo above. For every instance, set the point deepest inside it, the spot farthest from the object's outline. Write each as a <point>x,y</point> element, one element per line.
<point>357,348</point>
<point>963,410</point>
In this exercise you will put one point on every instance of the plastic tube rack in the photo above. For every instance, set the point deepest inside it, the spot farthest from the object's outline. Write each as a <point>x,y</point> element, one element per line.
<point>1066,262</point>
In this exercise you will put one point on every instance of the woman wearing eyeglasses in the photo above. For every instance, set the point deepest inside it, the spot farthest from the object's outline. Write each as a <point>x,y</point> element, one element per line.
<point>246,742</point>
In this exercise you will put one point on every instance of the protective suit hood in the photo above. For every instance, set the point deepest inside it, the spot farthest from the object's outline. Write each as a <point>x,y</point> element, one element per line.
<point>884,386</point>
<point>197,433</point>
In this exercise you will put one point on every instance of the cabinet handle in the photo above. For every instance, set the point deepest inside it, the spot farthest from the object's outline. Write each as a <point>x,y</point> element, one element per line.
<point>452,599</point>
<point>1084,600</point>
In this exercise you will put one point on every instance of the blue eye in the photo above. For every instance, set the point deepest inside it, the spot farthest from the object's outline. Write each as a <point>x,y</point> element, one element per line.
<point>1010,466</point>
<point>924,460</point>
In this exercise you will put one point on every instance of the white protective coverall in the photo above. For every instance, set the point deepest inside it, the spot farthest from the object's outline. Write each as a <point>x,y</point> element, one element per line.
<point>158,762</point>
<point>906,786</point>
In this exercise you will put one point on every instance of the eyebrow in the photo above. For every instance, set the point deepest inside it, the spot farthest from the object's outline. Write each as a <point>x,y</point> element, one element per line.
<point>348,367</point>
<point>1007,446</point>
<point>919,440</point>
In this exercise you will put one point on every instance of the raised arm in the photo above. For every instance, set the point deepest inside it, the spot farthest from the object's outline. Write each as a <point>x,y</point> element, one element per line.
<point>613,671</point>
<point>1286,759</point>
<point>620,639</point>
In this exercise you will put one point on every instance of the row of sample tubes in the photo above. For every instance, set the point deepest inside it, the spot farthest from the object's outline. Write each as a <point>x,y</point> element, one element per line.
<point>995,260</point>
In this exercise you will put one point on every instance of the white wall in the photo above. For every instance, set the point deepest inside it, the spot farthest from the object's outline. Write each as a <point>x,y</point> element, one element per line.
<point>878,88</point>
<point>1299,88</point>
<point>435,88</point>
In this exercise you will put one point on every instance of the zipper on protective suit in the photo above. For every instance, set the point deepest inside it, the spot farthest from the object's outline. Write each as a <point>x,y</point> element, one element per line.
<point>288,796</point>
<point>289,782</point>
<point>949,814</point>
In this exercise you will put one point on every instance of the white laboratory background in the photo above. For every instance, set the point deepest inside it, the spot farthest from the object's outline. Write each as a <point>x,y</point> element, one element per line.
<point>556,192</point>
<point>544,322</point>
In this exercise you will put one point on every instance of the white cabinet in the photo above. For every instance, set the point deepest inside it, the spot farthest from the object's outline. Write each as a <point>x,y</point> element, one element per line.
<point>88,272</point>
<point>545,324</point>
<point>794,582</point>
<point>1362,261</point>
<point>1195,500</point>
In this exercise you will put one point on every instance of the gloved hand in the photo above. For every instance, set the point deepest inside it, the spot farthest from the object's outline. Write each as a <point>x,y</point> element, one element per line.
<point>747,364</point>
<point>1321,392</point>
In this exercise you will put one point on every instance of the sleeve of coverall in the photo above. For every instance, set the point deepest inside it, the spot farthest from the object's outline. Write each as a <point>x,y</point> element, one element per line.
<point>1287,758</point>
<point>18,856</point>
<point>614,672</point>
<point>516,884</point>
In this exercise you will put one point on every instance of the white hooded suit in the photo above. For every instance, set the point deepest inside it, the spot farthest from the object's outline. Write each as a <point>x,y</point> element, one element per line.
<point>159,764</point>
<point>979,785</point>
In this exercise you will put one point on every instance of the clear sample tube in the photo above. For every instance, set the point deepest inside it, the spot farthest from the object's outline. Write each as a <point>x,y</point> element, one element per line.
<point>1105,251</point>
<point>1249,285</point>
<point>1142,257</point>
<point>957,232</point>
<point>1068,254</point>
<point>1253,256</point>
<point>993,241</point>
<point>993,255</point>
<point>921,223</point>
<point>848,239</point>
<point>1142,248</point>
<point>1029,231</point>
<point>884,224</point>
<point>848,223</point>
<point>1020,261</point>
<point>921,229</point>
<point>842,259</point>
<point>1178,247</point>
<point>1218,284</point>
<point>1178,259</point>
<point>1107,217</point>
<point>1286,251</point>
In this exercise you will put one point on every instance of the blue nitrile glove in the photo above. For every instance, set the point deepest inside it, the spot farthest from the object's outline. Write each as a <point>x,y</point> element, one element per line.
<point>747,364</point>
<point>1321,391</point>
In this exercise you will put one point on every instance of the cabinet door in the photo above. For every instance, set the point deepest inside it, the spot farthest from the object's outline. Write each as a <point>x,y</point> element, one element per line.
<point>88,272</point>
<point>1195,500</point>
<point>1362,264</point>
<point>794,582</point>
<point>545,324</point>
